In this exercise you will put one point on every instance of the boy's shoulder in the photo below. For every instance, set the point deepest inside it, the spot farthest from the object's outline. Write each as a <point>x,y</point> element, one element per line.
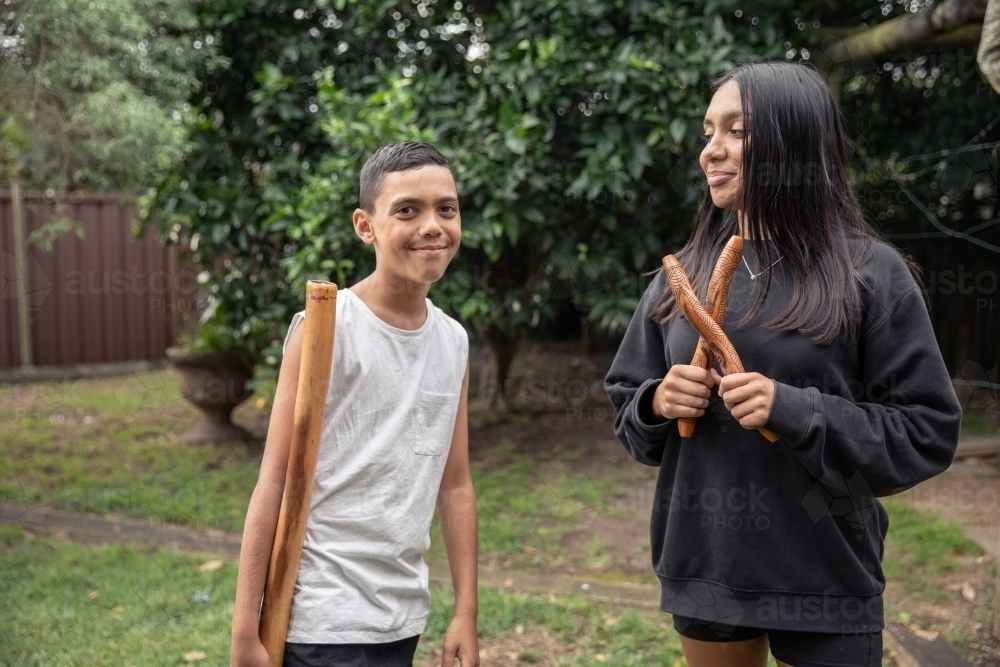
<point>450,327</point>
<point>453,326</point>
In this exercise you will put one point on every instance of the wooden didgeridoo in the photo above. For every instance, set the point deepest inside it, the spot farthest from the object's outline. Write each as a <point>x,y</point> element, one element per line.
<point>696,315</point>
<point>715,302</point>
<point>310,402</point>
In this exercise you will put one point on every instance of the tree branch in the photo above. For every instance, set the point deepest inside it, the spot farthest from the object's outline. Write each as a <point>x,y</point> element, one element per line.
<point>934,24</point>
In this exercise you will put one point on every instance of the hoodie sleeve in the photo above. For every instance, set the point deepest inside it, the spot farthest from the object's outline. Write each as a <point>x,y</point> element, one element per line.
<point>904,427</point>
<point>639,367</point>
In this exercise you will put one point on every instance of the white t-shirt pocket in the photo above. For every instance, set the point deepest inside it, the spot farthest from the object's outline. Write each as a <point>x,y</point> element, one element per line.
<point>434,423</point>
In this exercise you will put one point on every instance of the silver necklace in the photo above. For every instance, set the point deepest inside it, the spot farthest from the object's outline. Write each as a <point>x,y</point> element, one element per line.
<point>759,273</point>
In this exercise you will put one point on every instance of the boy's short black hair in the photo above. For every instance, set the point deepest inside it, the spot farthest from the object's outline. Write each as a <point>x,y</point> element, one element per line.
<point>394,157</point>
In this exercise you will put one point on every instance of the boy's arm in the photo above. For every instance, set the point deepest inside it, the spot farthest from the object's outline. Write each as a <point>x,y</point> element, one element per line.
<point>262,514</point>
<point>456,503</point>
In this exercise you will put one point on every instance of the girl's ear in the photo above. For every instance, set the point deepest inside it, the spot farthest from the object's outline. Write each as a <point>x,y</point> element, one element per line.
<point>363,226</point>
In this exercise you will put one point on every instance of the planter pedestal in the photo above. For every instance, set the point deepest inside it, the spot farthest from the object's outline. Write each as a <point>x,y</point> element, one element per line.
<point>215,382</point>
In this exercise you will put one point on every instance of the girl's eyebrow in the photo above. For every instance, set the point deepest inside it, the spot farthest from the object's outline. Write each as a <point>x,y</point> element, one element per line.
<point>725,117</point>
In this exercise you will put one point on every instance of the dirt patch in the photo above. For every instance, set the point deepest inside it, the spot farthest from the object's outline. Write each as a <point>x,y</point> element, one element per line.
<point>624,546</point>
<point>527,647</point>
<point>958,606</point>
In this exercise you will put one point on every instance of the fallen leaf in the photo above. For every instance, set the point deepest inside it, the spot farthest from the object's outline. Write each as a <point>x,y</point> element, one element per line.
<point>968,592</point>
<point>118,609</point>
<point>93,595</point>
<point>519,630</point>
<point>608,622</point>
<point>261,403</point>
<point>599,657</point>
<point>508,583</point>
<point>928,635</point>
<point>512,656</point>
<point>194,656</point>
<point>210,566</point>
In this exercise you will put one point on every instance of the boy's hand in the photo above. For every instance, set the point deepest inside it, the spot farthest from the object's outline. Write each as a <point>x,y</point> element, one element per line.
<point>248,652</point>
<point>462,642</point>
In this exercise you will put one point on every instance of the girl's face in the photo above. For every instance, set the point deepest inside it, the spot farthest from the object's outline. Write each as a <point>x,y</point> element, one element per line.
<point>722,157</point>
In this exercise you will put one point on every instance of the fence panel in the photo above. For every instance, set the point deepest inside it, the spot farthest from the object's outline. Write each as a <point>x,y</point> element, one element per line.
<point>107,297</point>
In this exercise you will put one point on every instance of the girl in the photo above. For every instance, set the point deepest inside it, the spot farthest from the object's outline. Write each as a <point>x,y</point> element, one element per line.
<point>759,544</point>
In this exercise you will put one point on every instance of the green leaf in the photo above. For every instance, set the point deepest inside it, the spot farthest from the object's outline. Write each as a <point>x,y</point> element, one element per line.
<point>678,128</point>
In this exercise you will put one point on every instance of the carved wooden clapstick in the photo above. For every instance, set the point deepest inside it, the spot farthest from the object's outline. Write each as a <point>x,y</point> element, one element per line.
<point>699,318</point>
<point>715,302</point>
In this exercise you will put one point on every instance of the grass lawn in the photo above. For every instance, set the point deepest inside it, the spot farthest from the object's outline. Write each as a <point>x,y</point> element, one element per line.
<point>111,446</point>
<point>546,503</point>
<point>939,581</point>
<point>68,604</point>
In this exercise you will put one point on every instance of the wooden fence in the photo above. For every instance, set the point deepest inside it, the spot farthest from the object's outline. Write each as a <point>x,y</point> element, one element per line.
<point>111,297</point>
<point>108,297</point>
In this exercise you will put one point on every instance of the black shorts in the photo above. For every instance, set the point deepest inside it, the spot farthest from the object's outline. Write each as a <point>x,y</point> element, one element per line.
<point>801,649</point>
<point>393,654</point>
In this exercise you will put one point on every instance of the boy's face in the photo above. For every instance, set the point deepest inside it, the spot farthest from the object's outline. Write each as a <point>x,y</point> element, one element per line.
<point>416,227</point>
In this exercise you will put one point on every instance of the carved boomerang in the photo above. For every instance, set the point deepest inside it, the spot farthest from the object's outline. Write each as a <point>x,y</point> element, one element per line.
<point>697,316</point>
<point>715,302</point>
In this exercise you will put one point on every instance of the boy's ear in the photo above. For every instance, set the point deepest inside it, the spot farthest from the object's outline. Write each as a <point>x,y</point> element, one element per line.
<point>363,226</point>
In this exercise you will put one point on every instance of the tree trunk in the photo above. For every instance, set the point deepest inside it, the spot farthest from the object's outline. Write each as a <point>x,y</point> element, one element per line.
<point>21,272</point>
<point>502,347</point>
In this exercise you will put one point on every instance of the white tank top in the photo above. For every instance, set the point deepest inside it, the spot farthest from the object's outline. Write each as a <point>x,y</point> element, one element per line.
<point>387,429</point>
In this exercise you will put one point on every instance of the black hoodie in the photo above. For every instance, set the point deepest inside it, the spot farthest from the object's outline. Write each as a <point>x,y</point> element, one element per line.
<point>789,536</point>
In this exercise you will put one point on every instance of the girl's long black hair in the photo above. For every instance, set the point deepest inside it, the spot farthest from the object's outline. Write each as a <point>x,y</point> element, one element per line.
<point>796,192</point>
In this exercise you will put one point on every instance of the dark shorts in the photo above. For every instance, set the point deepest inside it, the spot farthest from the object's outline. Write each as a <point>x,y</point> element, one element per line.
<point>801,649</point>
<point>393,654</point>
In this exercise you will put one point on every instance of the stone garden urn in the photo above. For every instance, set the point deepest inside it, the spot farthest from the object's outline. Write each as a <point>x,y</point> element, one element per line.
<point>215,382</point>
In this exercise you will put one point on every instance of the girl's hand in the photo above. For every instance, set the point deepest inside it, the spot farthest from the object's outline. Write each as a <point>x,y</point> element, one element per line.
<point>683,392</point>
<point>748,396</point>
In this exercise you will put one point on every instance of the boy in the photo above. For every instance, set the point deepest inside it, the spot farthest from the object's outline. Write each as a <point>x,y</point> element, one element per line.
<point>394,438</point>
